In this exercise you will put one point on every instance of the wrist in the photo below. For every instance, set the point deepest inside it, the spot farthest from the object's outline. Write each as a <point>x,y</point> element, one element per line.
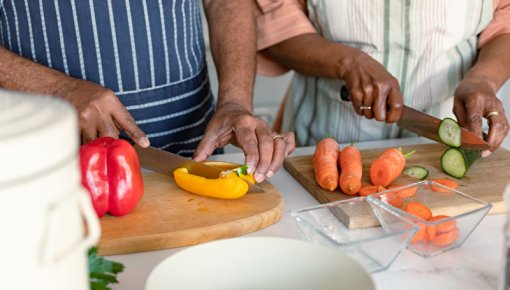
<point>237,98</point>
<point>480,80</point>
<point>348,59</point>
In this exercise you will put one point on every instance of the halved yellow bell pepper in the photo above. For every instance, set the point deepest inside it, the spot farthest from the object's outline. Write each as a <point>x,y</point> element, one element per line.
<point>229,186</point>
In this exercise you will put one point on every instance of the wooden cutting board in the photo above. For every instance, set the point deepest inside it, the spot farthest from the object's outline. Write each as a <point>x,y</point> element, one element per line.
<point>485,180</point>
<point>168,217</point>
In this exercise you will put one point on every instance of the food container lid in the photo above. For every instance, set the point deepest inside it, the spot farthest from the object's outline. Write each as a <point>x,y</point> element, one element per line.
<point>37,133</point>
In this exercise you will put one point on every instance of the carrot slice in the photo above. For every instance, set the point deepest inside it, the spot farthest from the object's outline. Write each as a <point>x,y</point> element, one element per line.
<point>431,232</point>
<point>350,170</point>
<point>404,193</point>
<point>444,227</point>
<point>394,200</point>
<point>324,163</point>
<point>370,189</point>
<point>419,210</point>
<point>445,182</point>
<point>445,239</point>
<point>420,234</point>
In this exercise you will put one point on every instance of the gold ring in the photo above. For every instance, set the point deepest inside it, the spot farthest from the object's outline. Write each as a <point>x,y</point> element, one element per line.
<point>278,136</point>
<point>365,108</point>
<point>492,113</point>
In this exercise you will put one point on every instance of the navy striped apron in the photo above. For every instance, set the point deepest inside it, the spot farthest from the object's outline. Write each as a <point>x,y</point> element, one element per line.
<point>150,53</point>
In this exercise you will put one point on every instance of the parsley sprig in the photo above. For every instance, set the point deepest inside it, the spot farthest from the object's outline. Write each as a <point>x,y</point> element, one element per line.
<point>102,272</point>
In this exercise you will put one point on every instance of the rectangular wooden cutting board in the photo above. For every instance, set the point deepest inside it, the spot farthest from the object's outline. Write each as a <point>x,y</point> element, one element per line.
<point>485,180</point>
<point>168,217</point>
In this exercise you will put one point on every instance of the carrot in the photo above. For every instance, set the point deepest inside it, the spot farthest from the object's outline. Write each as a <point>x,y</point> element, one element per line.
<point>431,233</point>
<point>394,199</point>
<point>419,210</point>
<point>350,170</point>
<point>445,239</point>
<point>443,227</point>
<point>420,234</point>
<point>445,182</point>
<point>370,189</point>
<point>388,167</point>
<point>404,193</point>
<point>324,164</point>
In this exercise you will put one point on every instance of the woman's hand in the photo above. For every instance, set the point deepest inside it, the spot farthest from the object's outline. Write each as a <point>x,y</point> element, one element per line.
<point>374,92</point>
<point>475,99</point>
<point>264,149</point>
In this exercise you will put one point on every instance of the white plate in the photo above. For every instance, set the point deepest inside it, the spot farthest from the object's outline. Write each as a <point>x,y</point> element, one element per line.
<point>259,263</point>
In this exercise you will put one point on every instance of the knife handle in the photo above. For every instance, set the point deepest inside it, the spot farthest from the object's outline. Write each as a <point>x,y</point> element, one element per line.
<point>344,94</point>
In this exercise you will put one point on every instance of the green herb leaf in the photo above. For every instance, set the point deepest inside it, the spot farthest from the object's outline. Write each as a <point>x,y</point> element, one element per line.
<point>102,272</point>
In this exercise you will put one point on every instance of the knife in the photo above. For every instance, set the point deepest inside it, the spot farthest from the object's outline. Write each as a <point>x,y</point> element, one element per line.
<point>166,162</point>
<point>427,126</point>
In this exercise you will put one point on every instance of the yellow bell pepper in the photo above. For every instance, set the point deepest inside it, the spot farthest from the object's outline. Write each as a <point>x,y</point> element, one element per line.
<point>229,186</point>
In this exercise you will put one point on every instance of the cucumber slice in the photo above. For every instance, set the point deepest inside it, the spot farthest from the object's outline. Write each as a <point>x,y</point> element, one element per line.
<point>450,133</point>
<point>417,172</point>
<point>456,161</point>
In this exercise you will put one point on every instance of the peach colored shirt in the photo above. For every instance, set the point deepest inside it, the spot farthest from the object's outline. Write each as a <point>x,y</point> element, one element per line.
<point>279,20</point>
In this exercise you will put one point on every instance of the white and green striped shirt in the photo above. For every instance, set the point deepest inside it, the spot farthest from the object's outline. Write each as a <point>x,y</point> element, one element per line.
<point>427,45</point>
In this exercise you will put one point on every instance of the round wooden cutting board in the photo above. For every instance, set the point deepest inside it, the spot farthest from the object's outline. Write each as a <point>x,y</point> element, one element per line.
<point>168,217</point>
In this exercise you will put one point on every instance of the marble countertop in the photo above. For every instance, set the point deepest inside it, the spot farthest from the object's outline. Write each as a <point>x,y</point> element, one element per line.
<point>476,265</point>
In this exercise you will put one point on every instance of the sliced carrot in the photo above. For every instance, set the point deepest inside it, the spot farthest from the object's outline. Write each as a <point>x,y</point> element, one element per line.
<point>426,237</point>
<point>350,170</point>
<point>324,164</point>
<point>445,239</point>
<point>444,227</point>
<point>419,210</point>
<point>394,199</point>
<point>445,182</point>
<point>370,189</point>
<point>431,232</point>
<point>404,193</point>
<point>420,234</point>
<point>387,167</point>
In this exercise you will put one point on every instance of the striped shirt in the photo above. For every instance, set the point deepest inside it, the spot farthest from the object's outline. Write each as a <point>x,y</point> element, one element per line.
<point>427,45</point>
<point>150,53</point>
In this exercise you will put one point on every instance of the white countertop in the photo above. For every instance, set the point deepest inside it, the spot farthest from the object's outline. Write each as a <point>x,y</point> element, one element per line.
<point>475,265</point>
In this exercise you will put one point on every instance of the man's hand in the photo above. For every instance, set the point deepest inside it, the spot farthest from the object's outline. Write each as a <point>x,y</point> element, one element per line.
<point>264,150</point>
<point>474,100</point>
<point>100,111</point>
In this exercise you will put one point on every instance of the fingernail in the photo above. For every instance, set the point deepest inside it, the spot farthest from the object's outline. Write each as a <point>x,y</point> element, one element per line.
<point>250,169</point>
<point>259,177</point>
<point>144,142</point>
<point>486,153</point>
<point>270,174</point>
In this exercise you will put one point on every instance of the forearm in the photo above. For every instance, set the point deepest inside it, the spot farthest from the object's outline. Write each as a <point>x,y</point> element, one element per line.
<point>21,74</point>
<point>311,54</point>
<point>493,63</point>
<point>233,44</point>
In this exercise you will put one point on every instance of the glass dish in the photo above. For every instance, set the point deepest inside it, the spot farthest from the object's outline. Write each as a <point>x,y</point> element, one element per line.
<point>337,225</point>
<point>463,212</point>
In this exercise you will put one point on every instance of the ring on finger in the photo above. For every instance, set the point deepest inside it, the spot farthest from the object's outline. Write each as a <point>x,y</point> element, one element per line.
<point>278,136</point>
<point>491,113</point>
<point>365,108</point>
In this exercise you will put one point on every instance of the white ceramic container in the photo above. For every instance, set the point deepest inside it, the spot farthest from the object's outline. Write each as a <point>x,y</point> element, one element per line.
<point>47,222</point>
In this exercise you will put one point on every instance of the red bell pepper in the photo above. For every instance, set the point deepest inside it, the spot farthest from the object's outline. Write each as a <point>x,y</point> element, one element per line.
<point>111,173</point>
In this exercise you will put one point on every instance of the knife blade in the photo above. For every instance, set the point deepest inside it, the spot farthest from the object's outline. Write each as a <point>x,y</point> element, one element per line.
<point>166,162</point>
<point>427,126</point>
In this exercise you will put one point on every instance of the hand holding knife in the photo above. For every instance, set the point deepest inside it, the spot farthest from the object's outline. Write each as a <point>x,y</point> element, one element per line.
<point>427,126</point>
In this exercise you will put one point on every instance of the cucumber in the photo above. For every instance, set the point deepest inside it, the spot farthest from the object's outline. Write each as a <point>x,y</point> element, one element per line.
<point>456,161</point>
<point>417,172</point>
<point>450,132</point>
